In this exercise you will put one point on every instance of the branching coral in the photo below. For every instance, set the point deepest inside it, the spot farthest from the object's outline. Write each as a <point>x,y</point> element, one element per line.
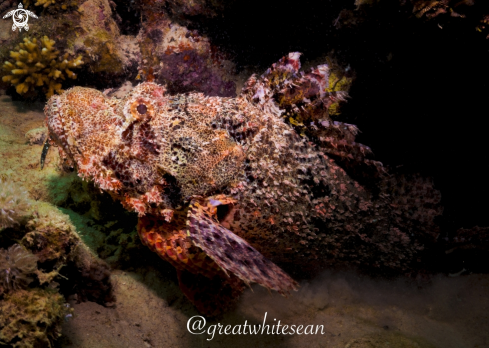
<point>16,264</point>
<point>44,3</point>
<point>13,204</point>
<point>38,63</point>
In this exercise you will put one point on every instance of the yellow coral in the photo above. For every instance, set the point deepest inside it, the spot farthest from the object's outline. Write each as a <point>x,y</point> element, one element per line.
<point>44,3</point>
<point>39,65</point>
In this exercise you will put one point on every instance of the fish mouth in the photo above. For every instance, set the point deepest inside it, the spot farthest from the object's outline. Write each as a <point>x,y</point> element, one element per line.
<point>172,191</point>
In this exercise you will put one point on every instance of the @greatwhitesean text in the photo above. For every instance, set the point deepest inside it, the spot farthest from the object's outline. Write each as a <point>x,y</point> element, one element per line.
<point>197,325</point>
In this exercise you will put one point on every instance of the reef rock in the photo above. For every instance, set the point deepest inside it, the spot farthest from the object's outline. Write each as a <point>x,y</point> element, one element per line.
<point>69,31</point>
<point>184,60</point>
<point>32,318</point>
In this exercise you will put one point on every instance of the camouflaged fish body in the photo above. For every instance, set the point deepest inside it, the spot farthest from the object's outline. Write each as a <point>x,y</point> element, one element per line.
<point>220,182</point>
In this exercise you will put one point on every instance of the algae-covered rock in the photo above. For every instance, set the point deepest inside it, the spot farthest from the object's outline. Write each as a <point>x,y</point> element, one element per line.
<point>53,246</point>
<point>184,60</point>
<point>16,266</point>
<point>63,256</point>
<point>103,224</point>
<point>32,318</point>
<point>36,136</point>
<point>14,204</point>
<point>98,37</point>
<point>92,277</point>
<point>93,29</point>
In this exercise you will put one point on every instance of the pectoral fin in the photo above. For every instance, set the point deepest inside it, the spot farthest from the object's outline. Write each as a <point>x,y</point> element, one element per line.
<point>231,252</point>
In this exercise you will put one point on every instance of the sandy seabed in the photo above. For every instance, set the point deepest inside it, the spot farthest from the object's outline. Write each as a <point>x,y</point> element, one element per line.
<point>356,311</point>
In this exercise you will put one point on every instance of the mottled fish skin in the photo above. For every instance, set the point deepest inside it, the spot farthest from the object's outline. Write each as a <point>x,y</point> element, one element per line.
<point>222,185</point>
<point>158,153</point>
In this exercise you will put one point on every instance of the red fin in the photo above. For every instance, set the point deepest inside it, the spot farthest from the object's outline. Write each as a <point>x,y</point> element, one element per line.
<point>170,242</point>
<point>233,253</point>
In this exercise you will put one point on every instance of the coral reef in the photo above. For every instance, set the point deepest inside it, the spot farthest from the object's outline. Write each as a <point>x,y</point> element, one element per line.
<point>44,3</point>
<point>62,259</point>
<point>14,204</point>
<point>81,28</point>
<point>184,60</point>
<point>54,6</point>
<point>99,39</point>
<point>16,266</point>
<point>32,318</point>
<point>209,176</point>
<point>39,64</point>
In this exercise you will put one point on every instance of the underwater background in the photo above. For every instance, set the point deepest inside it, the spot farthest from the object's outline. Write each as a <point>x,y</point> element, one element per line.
<point>410,74</point>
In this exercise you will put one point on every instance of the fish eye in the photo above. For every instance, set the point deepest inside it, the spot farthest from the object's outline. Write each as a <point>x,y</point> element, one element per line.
<point>142,109</point>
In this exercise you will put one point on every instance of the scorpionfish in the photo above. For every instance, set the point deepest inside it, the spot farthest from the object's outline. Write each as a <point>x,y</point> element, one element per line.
<point>227,187</point>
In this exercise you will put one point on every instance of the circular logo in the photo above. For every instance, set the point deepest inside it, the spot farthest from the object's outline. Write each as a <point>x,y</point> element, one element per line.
<point>20,18</point>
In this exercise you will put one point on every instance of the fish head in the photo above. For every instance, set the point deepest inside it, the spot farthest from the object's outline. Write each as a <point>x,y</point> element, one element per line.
<point>147,148</point>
